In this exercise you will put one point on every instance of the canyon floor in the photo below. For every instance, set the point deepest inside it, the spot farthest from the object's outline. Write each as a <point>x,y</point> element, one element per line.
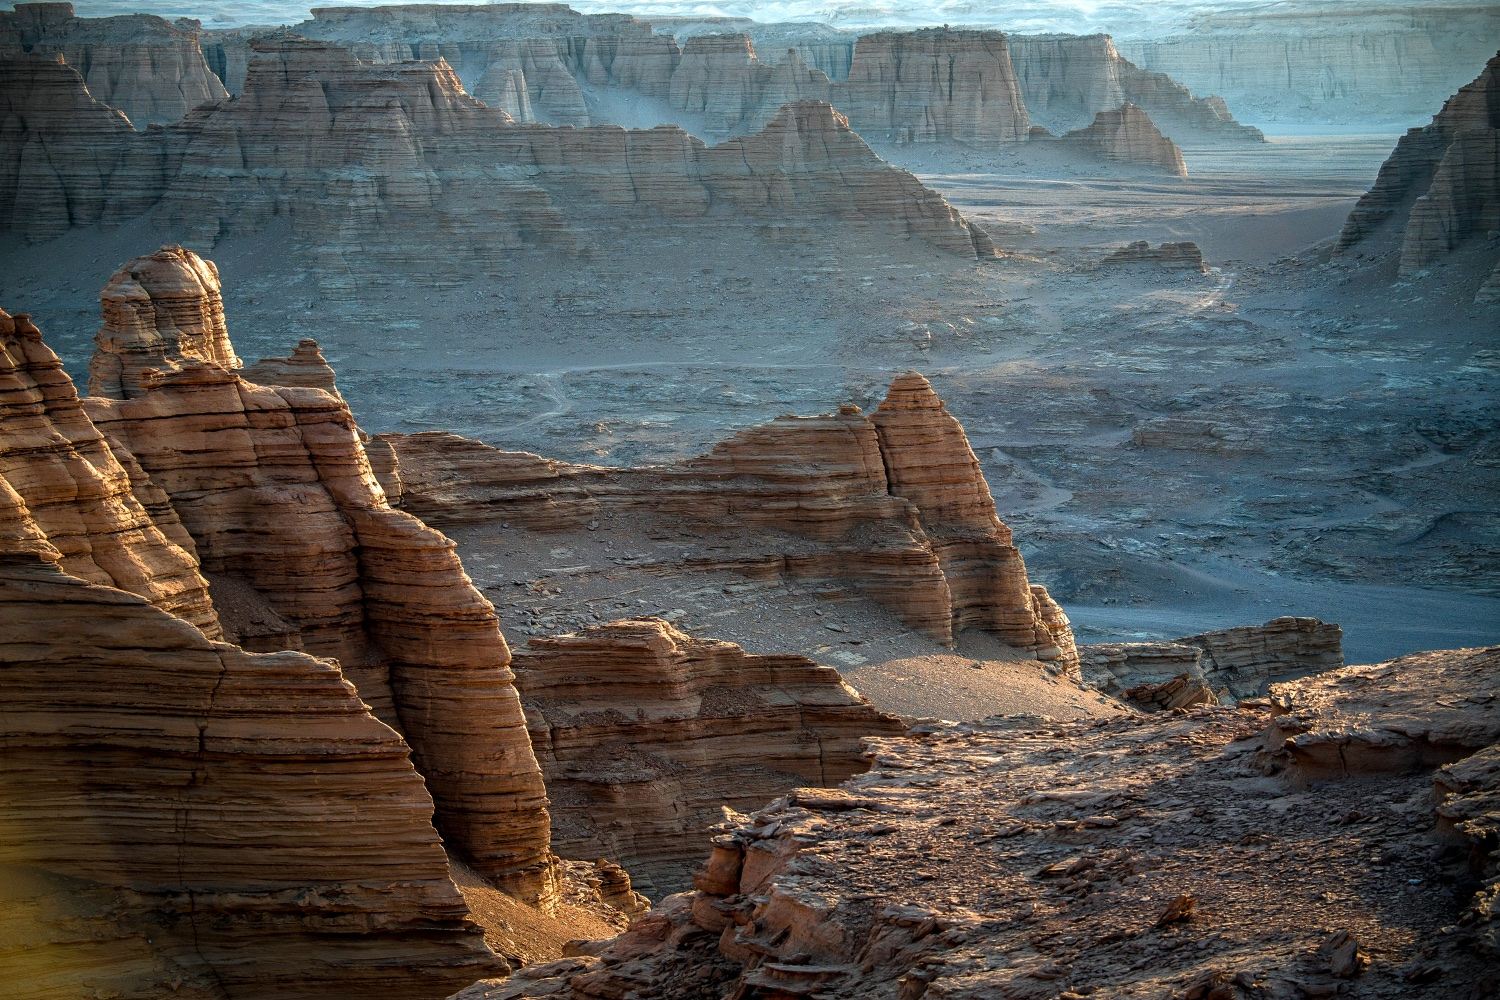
<point>1177,451</point>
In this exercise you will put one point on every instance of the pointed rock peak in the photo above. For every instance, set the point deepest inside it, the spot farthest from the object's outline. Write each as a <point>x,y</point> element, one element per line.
<point>162,311</point>
<point>911,391</point>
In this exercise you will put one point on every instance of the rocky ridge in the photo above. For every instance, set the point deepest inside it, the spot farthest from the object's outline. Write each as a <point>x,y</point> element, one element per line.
<point>893,503</point>
<point>1164,855</point>
<point>1440,189</point>
<point>352,151</point>
<point>146,66</point>
<point>646,736</point>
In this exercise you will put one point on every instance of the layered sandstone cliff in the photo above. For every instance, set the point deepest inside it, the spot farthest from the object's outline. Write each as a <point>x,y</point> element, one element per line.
<point>180,815</point>
<point>1440,189</point>
<point>893,504</point>
<point>1230,663</point>
<point>1068,79</point>
<point>1128,135</point>
<point>646,735</point>
<point>147,67</point>
<point>67,159</point>
<point>374,163</point>
<point>369,586</point>
<point>1374,63</point>
<point>1133,873</point>
<point>933,85</point>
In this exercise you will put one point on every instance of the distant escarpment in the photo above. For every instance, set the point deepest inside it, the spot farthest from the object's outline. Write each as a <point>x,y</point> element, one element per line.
<point>1165,855</point>
<point>372,163</point>
<point>1384,62</point>
<point>724,77</point>
<point>147,67</point>
<point>1439,192</point>
<point>647,735</point>
<point>892,504</point>
<point>182,815</point>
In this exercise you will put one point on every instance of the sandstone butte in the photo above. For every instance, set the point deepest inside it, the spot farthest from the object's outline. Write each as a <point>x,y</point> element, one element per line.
<point>893,503</point>
<point>1283,849</point>
<point>1440,189</point>
<point>316,693</point>
<point>429,163</point>
<point>928,85</point>
<point>146,66</point>
<point>1127,135</point>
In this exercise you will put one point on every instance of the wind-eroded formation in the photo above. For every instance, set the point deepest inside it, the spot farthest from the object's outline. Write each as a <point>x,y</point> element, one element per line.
<point>1439,192</point>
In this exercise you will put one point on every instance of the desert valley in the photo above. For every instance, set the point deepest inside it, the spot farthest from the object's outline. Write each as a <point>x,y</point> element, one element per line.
<point>750,501</point>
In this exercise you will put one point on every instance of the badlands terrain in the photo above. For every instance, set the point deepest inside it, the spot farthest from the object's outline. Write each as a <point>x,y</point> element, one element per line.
<point>651,500</point>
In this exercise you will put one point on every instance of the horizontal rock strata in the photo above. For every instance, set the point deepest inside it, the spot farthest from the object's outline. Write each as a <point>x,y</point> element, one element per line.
<point>1136,850</point>
<point>893,503</point>
<point>369,586</point>
<point>150,68</point>
<point>374,162</point>
<point>1174,256</point>
<point>1230,663</point>
<point>645,735</point>
<point>1127,135</point>
<point>1440,189</point>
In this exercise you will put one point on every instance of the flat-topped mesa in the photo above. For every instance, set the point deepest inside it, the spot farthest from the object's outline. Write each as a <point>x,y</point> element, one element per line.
<point>721,78</point>
<point>369,586</point>
<point>1127,135</point>
<point>146,66</point>
<point>66,495</point>
<point>646,735</point>
<point>929,463</point>
<point>934,85</point>
<point>1440,188</point>
<point>161,311</point>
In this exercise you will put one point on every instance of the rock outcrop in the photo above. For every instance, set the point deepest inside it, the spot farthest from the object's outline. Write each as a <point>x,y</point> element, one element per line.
<point>646,735</point>
<point>394,166</point>
<point>146,66</point>
<point>65,158</point>
<point>1127,135</point>
<point>1110,858</point>
<point>1440,189</point>
<point>361,583</point>
<point>934,85</point>
<point>893,503</point>
<point>1172,256</point>
<point>1067,80</point>
<point>181,815</point>
<point>1230,663</point>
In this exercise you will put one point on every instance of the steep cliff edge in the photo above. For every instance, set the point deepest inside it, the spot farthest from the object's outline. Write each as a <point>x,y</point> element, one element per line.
<point>1440,189</point>
<point>892,505</point>
<point>395,168</point>
<point>364,584</point>
<point>180,815</point>
<point>146,66</point>
<point>647,735</point>
<point>1111,858</point>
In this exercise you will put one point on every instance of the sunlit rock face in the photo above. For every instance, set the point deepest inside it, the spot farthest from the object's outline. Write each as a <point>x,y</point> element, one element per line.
<point>183,817</point>
<point>145,66</point>
<point>1439,191</point>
